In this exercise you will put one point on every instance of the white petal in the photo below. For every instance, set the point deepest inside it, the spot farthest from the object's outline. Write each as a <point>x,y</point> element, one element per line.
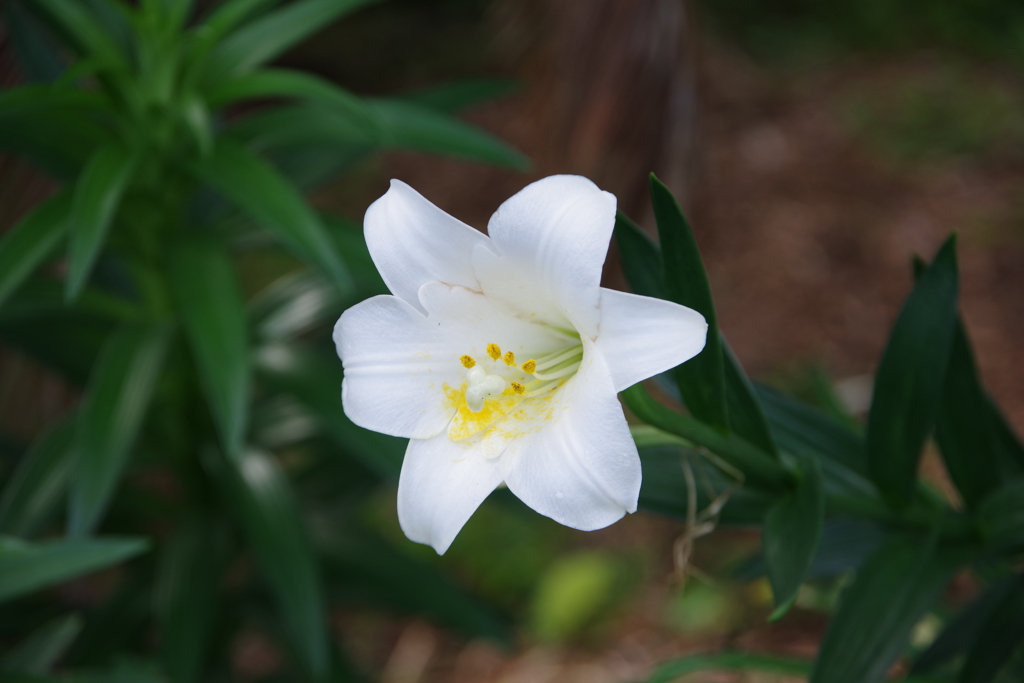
<point>392,382</point>
<point>400,365</point>
<point>442,483</point>
<point>555,234</point>
<point>413,242</point>
<point>640,336</point>
<point>581,468</point>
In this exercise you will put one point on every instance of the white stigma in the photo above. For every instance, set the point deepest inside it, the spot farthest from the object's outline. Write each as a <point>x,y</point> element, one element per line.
<point>481,385</point>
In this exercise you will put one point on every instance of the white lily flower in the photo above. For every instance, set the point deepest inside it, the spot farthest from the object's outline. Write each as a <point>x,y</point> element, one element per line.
<point>500,357</point>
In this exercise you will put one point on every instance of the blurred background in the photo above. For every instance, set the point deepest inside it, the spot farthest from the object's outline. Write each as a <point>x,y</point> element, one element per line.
<point>817,146</point>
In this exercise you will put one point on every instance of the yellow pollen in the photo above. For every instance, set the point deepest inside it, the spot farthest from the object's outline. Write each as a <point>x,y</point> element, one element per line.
<point>510,358</point>
<point>494,351</point>
<point>529,366</point>
<point>467,361</point>
<point>518,388</point>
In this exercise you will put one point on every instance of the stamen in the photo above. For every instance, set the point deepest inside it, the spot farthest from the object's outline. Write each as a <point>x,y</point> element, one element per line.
<point>562,372</point>
<point>552,361</point>
<point>510,358</point>
<point>494,351</point>
<point>467,361</point>
<point>529,366</point>
<point>518,388</point>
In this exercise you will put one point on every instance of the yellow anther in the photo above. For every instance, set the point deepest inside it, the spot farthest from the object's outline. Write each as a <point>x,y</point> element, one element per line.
<point>529,366</point>
<point>494,351</point>
<point>467,361</point>
<point>510,358</point>
<point>518,388</point>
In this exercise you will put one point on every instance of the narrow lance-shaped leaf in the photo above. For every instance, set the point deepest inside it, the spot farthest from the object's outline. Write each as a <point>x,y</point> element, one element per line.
<point>998,638</point>
<point>264,39</point>
<point>259,191</point>
<point>96,197</point>
<point>187,600</point>
<point>39,482</point>
<point>962,629</point>
<point>642,263</point>
<point>37,654</point>
<point>746,416</point>
<point>728,661</point>
<point>908,385</point>
<point>87,36</point>
<point>32,241</point>
<point>110,417</point>
<point>38,58</point>
<point>26,567</point>
<point>406,125</point>
<point>792,532</point>
<point>641,258</point>
<point>762,471</point>
<point>284,83</point>
<point>965,429</point>
<point>458,95</point>
<point>258,495</point>
<point>877,612</point>
<point>702,379</point>
<point>212,309</point>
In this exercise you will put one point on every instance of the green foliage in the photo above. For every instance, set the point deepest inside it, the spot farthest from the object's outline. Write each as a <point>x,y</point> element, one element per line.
<point>908,386</point>
<point>831,500</point>
<point>162,197</point>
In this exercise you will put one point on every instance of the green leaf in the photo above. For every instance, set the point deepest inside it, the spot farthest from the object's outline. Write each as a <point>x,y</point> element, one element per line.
<point>802,429</point>
<point>228,15</point>
<point>110,417</point>
<point>1001,515</point>
<point>304,124</point>
<point>962,630</point>
<point>25,567</point>
<point>259,191</point>
<point>32,241</point>
<point>87,36</point>
<point>96,197</point>
<point>264,39</point>
<point>641,258</point>
<point>792,532</point>
<point>664,489</point>
<point>284,83</point>
<point>702,379</point>
<point>37,486</point>
<point>406,125</point>
<point>642,264</point>
<point>846,543</point>
<point>746,417</point>
<point>37,55</point>
<point>212,310</point>
<point>761,470</point>
<point>259,497</point>
<point>364,568</point>
<point>38,322</point>
<point>56,128</point>
<point>998,637</point>
<point>316,382</point>
<point>728,661</point>
<point>964,429</point>
<point>877,612</point>
<point>37,654</point>
<point>910,377</point>
<point>458,95</point>
<point>187,595</point>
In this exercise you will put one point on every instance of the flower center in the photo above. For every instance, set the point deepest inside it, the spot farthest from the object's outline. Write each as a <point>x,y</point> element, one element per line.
<point>497,386</point>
